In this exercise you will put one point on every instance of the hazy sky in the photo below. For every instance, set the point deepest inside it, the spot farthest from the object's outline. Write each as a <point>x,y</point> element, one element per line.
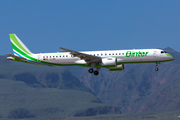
<point>80,25</point>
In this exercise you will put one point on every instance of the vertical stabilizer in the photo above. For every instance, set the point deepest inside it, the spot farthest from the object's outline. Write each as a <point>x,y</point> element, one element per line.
<point>18,47</point>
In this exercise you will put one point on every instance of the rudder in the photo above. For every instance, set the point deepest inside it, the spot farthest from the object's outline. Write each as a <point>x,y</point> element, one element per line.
<point>18,46</point>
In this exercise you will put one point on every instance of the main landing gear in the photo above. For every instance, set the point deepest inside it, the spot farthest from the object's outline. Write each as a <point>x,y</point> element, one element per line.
<point>91,70</point>
<point>96,72</point>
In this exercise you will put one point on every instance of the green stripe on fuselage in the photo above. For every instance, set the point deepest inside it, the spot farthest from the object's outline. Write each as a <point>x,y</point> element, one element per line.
<point>169,55</point>
<point>22,53</point>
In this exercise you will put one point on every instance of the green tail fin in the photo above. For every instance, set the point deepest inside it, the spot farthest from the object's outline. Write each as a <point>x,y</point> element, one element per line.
<point>18,47</point>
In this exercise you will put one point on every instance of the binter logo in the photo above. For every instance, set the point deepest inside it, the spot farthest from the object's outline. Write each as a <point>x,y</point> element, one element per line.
<point>136,54</point>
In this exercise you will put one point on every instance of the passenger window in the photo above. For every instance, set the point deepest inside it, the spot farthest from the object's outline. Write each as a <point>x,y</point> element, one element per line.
<point>122,53</point>
<point>63,55</point>
<point>113,54</point>
<point>109,54</point>
<point>50,56</point>
<point>59,56</point>
<point>119,53</point>
<point>105,54</point>
<point>101,54</point>
<point>116,54</point>
<point>56,56</point>
<point>66,55</point>
<point>46,56</point>
<point>97,54</point>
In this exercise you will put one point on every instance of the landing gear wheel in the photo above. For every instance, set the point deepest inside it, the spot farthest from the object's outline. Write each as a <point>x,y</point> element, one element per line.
<point>96,72</point>
<point>91,70</point>
<point>156,69</point>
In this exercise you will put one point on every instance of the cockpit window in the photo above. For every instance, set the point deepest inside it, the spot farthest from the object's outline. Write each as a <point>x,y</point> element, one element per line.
<point>163,52</point>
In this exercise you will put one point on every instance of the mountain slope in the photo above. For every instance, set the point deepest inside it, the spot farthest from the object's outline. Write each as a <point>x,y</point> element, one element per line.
<point>38,91</point>
<point>46,102</point>
<point>40,76</point>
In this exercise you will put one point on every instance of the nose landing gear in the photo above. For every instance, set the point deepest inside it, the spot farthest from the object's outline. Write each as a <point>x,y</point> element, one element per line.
<point>156,69</point>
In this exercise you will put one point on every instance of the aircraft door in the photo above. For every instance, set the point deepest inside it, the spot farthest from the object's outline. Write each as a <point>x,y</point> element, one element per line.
<point>154,54</point>
<point>38,57</point>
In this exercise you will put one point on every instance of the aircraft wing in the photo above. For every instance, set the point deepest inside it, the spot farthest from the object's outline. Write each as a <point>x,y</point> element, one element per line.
<point>17,57</point>
<point>86,57</point>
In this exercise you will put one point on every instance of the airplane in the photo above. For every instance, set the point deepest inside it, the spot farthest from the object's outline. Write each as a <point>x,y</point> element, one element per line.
<point>114,60</point>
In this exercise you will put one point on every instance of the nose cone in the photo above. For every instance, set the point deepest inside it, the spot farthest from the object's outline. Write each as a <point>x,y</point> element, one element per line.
<point>170,56</point>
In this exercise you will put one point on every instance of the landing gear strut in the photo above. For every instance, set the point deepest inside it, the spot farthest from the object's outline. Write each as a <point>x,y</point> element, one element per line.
<point>156,69</point>
<point>91,70</point>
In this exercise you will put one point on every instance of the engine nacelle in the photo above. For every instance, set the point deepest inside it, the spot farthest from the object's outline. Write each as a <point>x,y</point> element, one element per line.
<point>109,61</point>
<point>117,68</point>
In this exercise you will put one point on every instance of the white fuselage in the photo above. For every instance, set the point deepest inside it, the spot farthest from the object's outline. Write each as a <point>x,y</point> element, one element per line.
<point>113,60</point>
<point>123,56</point>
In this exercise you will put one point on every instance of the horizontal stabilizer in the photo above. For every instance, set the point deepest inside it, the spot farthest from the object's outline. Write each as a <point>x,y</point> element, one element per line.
<point>17,57</point>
